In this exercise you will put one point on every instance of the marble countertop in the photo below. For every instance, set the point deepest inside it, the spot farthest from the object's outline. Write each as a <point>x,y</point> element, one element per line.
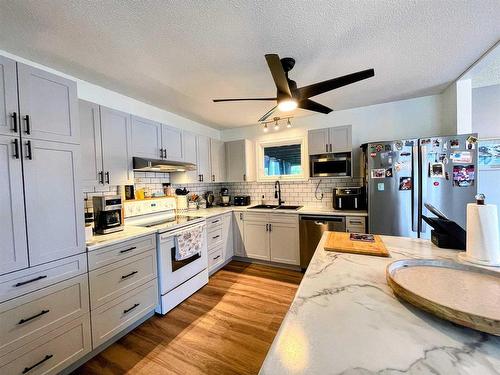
<point>346,320</point>
<point>129,232</point>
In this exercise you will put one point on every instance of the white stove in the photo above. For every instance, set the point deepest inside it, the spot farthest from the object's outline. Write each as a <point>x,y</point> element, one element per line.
<point>178,279</point>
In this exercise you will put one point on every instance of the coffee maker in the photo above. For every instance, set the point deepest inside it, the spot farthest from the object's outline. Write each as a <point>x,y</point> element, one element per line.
<point>224,197</point>
<point>107,214</point>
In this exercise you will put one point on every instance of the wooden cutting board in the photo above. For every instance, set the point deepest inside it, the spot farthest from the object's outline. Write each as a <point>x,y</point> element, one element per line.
<point>341,242</point>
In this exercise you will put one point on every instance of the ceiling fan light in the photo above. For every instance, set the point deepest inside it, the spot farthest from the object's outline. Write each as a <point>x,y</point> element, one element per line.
<point>276,125</point>
<point>265,128</point>
<point>287,105</point>
<point>288,124</point>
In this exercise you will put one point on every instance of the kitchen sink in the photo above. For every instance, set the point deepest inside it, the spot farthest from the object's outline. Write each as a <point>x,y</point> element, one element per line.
<point>275,207</point>
<point>265,206</point>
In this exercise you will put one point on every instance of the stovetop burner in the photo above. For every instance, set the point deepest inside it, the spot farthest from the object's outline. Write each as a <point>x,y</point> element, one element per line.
<point>180,219</point>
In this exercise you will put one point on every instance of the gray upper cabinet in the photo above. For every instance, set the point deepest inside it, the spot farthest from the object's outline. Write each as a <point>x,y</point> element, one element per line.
<point>146,138</point>
<point>116,147</point>
<point>171,139</point>
<point>14,251</point>
<point>189,146</point>
<point>48,105</point>
<point>218,160</point>
<point>203,158</point>
<point>240,161</point>
<point>330,140</point>
<point>90,130</point>
<point>54,204</point>
<point>8,97</point>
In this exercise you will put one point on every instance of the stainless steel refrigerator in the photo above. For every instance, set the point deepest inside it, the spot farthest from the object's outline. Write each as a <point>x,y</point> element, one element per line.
<point>404,174</point>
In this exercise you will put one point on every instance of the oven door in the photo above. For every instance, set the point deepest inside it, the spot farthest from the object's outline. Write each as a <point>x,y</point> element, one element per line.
<point>330,167</point>
<point>173,273</point>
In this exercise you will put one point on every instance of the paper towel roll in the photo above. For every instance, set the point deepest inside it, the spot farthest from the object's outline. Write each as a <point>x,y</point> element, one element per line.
<point>482,233</point>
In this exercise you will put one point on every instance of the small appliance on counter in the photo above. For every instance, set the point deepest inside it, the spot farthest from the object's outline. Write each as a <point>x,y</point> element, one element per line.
<point>446,233</point>
<point>349,198</point>
<point>209,198</point>
<point>224,197</point>
<point>107,214</point>
<point>241,200</point>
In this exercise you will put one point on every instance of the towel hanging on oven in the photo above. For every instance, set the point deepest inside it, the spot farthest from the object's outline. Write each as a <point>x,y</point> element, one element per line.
<point>188,243</point>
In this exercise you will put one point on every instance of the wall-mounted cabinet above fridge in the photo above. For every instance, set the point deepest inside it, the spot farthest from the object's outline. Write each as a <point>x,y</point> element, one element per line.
<point>330,140</point>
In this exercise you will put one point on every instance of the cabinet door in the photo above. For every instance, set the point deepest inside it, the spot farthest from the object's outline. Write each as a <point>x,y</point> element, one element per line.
<point>340,139</point>
<point>54,204</point>
<point>91,150</point>
<point>238,234</point>
<point>189,146</point>
<point>235,161</point>
<point>116,155</point>
<point>172,142</point>
<point>257,240</point>
<point>13,248</point>
<point>51,104</point>
<point>146,138</point>
<point>218,160</point>
<point>285,243</point>
<point>8,97</point>
<point>203,157</point>
<point>318,141</point>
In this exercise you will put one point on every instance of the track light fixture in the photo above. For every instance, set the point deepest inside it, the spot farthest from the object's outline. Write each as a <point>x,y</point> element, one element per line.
<point>276,123</point>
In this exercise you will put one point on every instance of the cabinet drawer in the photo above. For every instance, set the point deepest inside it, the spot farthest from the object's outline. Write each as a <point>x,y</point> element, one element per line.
<point>110,282</point>
<point>214,238</point>
<point>284,218</point>
<point>215,258</point>
<point>254,216</point>
<point>214,223</point>
<point>355,220</point>
<point>28,317</point>
<point>111,254</point>
<point>356,229</point>
<point>51,353</point>
<point>113,317</point>
<point>25,281</point>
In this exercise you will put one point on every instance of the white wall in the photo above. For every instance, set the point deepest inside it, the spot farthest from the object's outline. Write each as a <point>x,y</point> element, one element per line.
<point>112,99</point>
<point>412,118</point>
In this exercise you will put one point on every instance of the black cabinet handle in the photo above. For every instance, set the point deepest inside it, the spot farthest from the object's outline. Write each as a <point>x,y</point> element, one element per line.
<point>215,221</point>
<point>107,178</point>
<point>244,177</point>
<point>270,227</point>
<point>267,227</point>
<point>326,147</point>
<point>30,281</point>
<point>14,122</point>
<point>131,308</point>
<point>130,274</point>
<point>215,237</point>
<point>28,125</point>
<point>29,155</point>
<point>161,153</point>
<point>217,257</point>
<point>15,142</point>
<point>165,153</point>
<point>127,250</point>
<point>28,369</point>
<point>101,177</point>
<point>43,312</point>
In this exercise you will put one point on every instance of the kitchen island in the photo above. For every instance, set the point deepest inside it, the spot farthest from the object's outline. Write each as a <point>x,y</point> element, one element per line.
<point>346,320</point>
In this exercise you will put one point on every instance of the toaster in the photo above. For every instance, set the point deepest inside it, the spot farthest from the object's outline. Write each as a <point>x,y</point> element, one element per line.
<point>241,200</point>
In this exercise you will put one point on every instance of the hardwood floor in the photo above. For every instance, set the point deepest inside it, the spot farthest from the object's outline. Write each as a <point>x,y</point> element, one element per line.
<point>226,327</point>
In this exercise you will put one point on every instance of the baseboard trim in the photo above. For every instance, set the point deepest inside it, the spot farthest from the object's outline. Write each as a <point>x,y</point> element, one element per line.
<point>267,263</point>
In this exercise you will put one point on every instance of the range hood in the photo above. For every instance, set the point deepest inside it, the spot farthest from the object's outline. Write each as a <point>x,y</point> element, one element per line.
<point>159,165</point>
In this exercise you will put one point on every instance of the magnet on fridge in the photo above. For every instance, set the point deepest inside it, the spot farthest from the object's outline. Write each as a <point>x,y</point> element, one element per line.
<point>405,183</point>
<point>388,148</point>
<point>409,143</point>
<point>471,142</point>
<point>445,146</point>
<point>378,173</point>
<point>373,154</point>
<point>436,183</point>
<point>436,142</point>
<point>405,154</point>
<point>380,186</point>
<point>461,157</point>
<point>463,175</point>
<point>425,141</point>
<point>454,143</point>
<point>399,145</point>
<point>379,147</point>
<point>437,171</point>
<point>447,175</point>
<point>388,172</point>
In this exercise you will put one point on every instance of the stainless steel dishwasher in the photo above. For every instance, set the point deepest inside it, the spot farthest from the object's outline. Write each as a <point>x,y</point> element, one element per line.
<point>311,230</point>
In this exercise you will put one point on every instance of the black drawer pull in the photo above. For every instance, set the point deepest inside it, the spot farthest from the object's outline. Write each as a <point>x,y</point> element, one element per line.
<point>28,369</point>
<point>14,122</point>
<point>28,126</point>
<point>215,237</point>
<point>29,155</point>
<point>131,308</point>
<point>15,142</point>
<point>127,250</point>
<point>215,221</point>
<point>43,312</point>
<point>217,257</point>
<point>130,274</point>
<point>30,281</point>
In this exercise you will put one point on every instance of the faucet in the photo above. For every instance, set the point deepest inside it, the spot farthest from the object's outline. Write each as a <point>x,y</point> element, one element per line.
<point>277,192</point>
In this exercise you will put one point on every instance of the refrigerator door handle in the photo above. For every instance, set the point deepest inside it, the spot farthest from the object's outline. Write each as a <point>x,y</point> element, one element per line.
<point>424,174</point>
<point>415,190</point>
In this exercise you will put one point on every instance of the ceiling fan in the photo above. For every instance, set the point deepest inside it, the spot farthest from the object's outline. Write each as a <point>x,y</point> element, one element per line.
<point>289,96</point>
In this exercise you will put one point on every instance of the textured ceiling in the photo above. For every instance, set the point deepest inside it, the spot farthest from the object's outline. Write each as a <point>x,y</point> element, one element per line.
<point>487,71</point>
<point>178,55</point>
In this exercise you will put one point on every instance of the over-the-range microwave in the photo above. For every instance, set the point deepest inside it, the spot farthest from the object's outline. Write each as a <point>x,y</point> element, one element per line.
<point>331,165</point>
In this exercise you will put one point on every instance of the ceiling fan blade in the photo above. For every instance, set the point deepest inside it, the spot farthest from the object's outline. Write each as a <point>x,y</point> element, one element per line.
<point>269,113</point>
<point>313,106</point>
<point>331,84</point>
<point>241,99</point>
<point>278,73</point>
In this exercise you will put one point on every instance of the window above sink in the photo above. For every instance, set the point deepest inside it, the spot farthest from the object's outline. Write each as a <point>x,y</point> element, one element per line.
<point>284,159</point>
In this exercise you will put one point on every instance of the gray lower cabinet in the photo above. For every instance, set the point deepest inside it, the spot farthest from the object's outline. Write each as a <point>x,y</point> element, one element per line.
<point>14,250</point>
<point>116,147</point>
<point>54,204</point>
<point>48,104</point>
<point>8,97</point>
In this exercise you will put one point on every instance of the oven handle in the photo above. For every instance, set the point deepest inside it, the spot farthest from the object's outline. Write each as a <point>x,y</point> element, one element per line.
<point>165,236</point>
